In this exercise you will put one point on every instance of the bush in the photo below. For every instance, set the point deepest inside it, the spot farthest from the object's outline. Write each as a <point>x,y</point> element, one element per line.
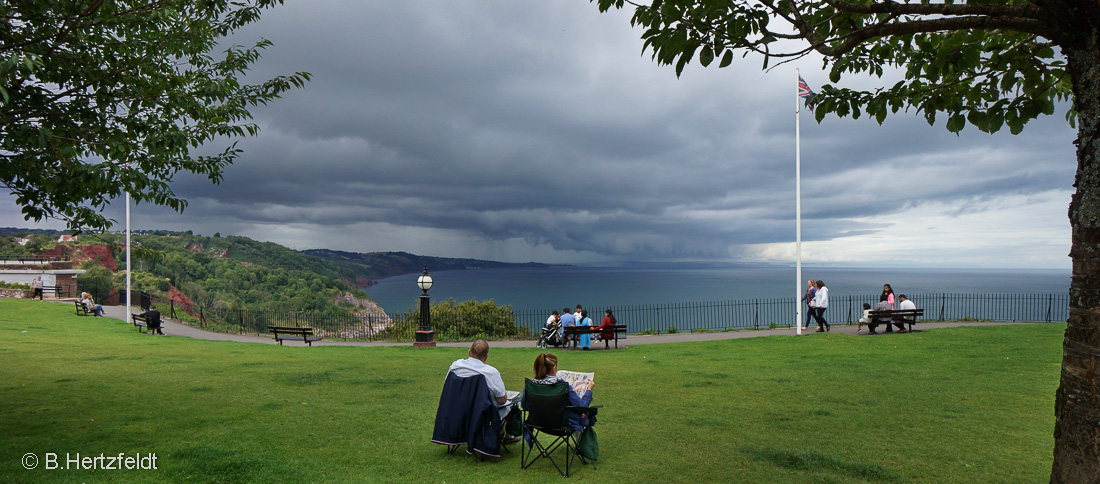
<point>672,329</point>
<point>459,321</point>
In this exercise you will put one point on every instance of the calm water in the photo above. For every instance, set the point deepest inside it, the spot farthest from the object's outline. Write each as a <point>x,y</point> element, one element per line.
<point>557,287</point>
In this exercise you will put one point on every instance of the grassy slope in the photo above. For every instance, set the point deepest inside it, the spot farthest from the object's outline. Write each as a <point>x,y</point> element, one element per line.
<point>956,405</point>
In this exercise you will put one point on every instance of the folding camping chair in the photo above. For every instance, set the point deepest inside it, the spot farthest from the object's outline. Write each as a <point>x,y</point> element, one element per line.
<point>545,413</point>
<point>467,416</point>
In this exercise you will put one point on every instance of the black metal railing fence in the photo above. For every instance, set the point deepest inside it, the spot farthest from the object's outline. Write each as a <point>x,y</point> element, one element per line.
<point>645,318</point>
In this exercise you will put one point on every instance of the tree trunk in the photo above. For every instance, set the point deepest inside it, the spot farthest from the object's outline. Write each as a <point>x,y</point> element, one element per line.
<point>1077,403</point>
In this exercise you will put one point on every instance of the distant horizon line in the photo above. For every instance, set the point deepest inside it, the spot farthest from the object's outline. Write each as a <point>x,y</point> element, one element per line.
<point>631,262</point>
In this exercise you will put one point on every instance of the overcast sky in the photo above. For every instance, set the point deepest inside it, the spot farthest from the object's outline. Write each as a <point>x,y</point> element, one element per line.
<point>538,130</point>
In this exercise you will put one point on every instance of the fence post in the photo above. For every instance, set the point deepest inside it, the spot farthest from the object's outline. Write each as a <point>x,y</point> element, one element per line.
<point>850,308</point>
<point>1050,304</point>
<point>943,300</point>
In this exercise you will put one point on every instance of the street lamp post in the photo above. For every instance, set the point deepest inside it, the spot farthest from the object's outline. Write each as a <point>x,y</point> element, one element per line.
<point>425,337</point>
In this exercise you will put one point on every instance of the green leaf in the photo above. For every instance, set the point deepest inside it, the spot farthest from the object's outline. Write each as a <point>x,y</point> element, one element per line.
<point>727,59</point>
<point>956,122</point>
<point>706,56</point>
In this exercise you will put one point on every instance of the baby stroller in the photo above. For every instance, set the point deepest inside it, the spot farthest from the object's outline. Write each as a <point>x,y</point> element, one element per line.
<point>551,335</point>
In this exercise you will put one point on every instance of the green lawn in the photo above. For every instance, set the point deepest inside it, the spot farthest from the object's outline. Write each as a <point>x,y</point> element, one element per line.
<point>952,405</point>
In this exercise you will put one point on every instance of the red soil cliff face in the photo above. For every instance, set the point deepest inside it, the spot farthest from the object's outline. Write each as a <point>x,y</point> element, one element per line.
<point>180,300</point>
<point>102,254</point>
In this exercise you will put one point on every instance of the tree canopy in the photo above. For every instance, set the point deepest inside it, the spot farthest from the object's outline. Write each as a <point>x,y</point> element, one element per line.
<point>987,63</point>
<point>103,97</point>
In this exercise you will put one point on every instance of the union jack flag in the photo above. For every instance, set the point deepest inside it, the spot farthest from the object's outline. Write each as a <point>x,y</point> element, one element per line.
<point>804,91</point>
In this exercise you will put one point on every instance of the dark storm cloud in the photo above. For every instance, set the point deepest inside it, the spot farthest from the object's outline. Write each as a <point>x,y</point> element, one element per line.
<point>506,126</point>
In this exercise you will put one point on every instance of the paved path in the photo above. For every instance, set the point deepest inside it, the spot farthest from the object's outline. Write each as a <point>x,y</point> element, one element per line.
<point>172,328</point>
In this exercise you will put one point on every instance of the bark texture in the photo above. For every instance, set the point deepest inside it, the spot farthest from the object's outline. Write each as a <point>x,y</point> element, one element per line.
<point>1077,403</point>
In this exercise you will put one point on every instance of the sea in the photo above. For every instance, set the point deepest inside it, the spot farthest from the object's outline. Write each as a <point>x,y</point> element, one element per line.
<point>552,287</point>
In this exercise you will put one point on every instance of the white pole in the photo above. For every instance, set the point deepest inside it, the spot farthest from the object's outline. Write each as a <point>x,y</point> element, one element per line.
<point>128,285</point>
<point>797,208</point>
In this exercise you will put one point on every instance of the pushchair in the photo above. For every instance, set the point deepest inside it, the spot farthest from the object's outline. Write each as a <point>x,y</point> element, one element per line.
<point>551,335</point>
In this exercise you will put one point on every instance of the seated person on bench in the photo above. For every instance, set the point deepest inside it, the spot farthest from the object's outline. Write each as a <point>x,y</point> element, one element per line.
<point>568,319</point>
<point>607,327</point>
<point>882,305</point>
<point>901,320</point>
<point>152,319</point>
<point>90,305</point>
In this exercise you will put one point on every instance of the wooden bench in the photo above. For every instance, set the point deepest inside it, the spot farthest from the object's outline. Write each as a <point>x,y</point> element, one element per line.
<point>81,310</point>
<point>888,316</point>
<point>141,323</point>
<point>293,333</point>
<point>573,331</point>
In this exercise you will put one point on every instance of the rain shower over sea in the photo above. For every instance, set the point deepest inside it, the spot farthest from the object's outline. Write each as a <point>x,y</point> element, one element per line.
<point>555,287</point>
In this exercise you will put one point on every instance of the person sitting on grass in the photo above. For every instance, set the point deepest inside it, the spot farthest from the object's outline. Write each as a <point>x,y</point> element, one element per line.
<point>152,319</point>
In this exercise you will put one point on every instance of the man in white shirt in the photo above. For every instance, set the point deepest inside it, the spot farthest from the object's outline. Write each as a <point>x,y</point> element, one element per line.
<point>475,364</point>
<point>904,304</point>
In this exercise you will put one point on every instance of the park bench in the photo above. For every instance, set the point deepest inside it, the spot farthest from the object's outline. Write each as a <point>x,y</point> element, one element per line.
<point>887,316</point>
<point>141,323</point>
<point>81,310</point>
<point>293,333</point>
<point>572,331</point>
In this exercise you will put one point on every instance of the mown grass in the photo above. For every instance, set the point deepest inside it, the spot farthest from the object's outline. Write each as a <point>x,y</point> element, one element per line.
<point>960,405</point>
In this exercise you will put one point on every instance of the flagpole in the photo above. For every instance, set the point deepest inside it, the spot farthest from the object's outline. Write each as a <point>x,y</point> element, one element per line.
<point>798,207</point>
<point>128,280</point>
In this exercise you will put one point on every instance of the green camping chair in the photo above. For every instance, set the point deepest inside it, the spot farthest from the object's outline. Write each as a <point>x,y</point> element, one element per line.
<point>545,415</point>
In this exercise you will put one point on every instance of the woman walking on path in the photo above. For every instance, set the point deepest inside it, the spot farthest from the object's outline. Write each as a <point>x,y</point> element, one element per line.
<point>585,339</point>
<point>889,293</point>
<point>821,303</point>
<point>811,291</point>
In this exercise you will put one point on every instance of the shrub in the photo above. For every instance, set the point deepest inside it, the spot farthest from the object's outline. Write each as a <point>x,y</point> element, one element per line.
<point>460,321</point>
<point>672,329</point>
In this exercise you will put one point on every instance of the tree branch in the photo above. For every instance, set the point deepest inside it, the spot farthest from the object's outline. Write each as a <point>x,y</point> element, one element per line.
<point>955,9</point>
<point>854,39</point>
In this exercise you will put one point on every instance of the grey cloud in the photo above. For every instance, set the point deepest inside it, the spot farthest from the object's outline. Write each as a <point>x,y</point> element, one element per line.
<point>499,123</point>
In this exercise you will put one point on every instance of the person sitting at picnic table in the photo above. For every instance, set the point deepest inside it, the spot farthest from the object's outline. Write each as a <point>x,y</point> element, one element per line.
<point>546,373</point>
<point>152,319</point>
<point>90,305</point>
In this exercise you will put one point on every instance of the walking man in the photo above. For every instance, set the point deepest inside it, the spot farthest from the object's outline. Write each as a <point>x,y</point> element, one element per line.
<point>36,284</point>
